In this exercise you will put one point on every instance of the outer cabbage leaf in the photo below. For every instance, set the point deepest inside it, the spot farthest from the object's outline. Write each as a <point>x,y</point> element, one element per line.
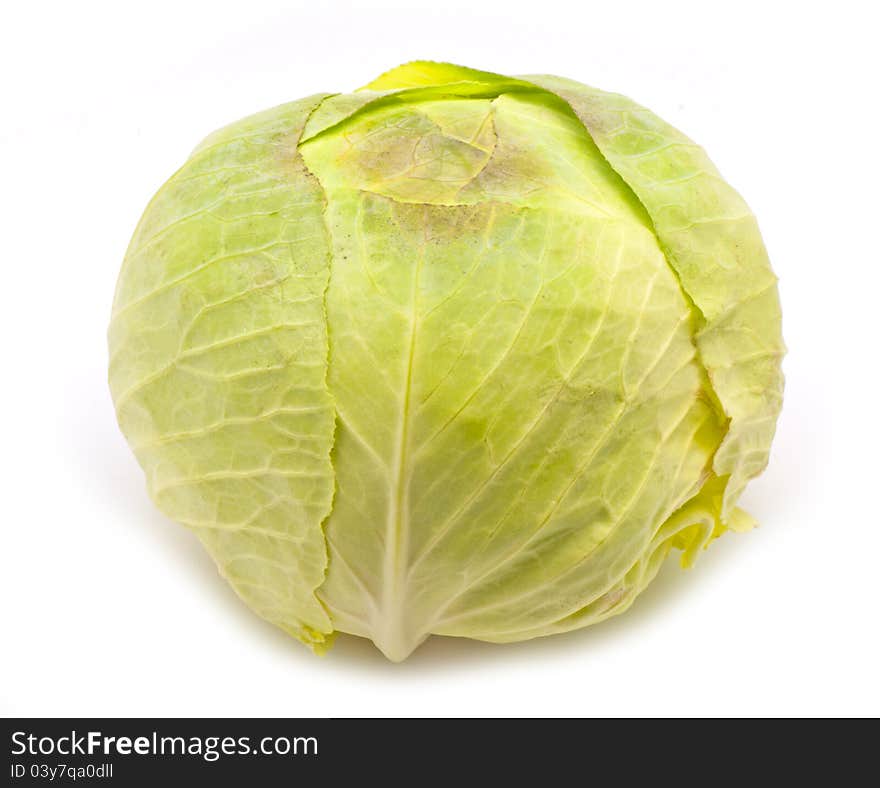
<point>520,403</point>
<point>218,348</point>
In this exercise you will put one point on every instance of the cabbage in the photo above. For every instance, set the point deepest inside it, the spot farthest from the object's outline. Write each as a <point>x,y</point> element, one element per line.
<point>455,354</point>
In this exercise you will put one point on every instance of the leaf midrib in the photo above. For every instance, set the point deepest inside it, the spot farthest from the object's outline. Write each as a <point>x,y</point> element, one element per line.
<point>397,528</point>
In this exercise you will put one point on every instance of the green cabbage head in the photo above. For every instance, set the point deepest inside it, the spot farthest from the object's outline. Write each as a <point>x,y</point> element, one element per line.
<point>456,354</point>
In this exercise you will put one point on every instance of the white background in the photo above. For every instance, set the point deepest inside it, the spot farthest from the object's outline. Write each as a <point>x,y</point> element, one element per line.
<point>108,608</point>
